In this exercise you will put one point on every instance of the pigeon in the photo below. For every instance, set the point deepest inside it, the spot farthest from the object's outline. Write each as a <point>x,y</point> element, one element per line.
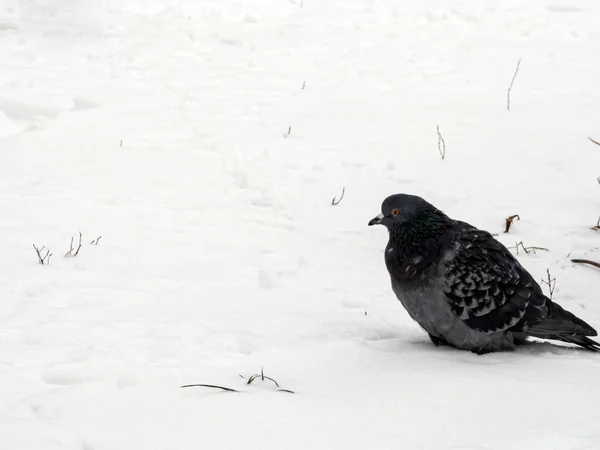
<point>465,288</point>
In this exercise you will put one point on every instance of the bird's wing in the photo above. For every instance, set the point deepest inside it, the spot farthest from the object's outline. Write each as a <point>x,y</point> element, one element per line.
<point>486,286</point>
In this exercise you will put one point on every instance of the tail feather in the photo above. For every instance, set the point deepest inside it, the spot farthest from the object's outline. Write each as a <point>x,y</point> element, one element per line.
<point>561,325</point>
<point>582,341</point>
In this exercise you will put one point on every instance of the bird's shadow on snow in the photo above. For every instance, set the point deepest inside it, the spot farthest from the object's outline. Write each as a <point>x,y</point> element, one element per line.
<point>398,342</point>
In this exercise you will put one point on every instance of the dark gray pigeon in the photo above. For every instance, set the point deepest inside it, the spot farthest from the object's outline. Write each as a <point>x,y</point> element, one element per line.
<point>463,287</point>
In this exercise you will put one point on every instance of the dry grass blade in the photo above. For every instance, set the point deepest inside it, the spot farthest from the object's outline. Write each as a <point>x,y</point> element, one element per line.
<point>286,390</point>
<point>262,376</point>
<point>586,261</point>
<point>271,379</point>
<point>595,142</point>
<point>212,386</point>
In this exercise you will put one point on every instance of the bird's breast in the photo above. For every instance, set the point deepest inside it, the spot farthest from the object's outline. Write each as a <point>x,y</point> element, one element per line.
<point>402,266</point>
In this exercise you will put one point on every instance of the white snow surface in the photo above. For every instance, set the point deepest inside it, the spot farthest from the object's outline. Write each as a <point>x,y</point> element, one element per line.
<point>164,127</point>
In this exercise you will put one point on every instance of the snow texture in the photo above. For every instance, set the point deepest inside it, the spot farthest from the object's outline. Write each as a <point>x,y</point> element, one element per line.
<point>204,141</point>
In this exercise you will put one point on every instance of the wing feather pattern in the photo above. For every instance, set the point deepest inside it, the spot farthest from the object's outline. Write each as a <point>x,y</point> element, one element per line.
<point>487,287</point>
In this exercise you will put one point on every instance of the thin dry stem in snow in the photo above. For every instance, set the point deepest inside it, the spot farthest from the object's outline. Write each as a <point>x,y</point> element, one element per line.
<point>595,142</point>
<point>212,386</point>
<point>335,202</point>
<point>256,376</point>
<point>262,376</point>
<point>441,143</point>
<point>551,282</point>
<point>586,261</point>
<point>95,241</point>
<point>70,253</point>
<point>511,85</point>
<point>509,221</point>
<point>303,85</point>
<point>289,130</point>
<point>42,259</point>
<point>526,249</point>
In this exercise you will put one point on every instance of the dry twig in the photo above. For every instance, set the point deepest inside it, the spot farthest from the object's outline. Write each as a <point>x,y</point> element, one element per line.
<point>70,253</point>
<point>441,144</point>
<point>95,241</point>
<point>43,259</point>
<point>509,221</point>
<point>526,249</point>
<point>586,261</point>
<point>511,85</point>
<point>551,282</point>
<point>335,202</point>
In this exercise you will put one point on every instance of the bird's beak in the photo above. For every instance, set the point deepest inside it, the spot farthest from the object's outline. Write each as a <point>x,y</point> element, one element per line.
<point>376,220</point>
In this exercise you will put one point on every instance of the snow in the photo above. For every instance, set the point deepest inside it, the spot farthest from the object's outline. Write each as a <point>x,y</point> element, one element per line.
<point>162,126</point>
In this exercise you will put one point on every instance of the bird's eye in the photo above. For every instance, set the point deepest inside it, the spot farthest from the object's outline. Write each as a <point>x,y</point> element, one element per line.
<point>395,212</point>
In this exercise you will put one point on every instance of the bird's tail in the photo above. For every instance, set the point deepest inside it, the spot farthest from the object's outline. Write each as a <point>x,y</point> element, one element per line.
<point>561,325</point>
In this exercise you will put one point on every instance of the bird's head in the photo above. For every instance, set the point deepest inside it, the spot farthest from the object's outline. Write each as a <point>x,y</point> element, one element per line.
<point>404,210</point>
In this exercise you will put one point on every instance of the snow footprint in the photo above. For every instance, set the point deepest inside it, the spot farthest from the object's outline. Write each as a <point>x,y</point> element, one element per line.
<point>67,376</point>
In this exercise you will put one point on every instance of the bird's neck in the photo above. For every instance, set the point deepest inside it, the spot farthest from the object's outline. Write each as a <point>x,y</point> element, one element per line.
<point>413,247</point>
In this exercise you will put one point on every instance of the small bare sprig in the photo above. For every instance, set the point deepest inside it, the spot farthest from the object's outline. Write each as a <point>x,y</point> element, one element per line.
<point>511,85</point>
<point>335,201</point>
<point>509,220</point>
<point>303,85</point>
<point>42,259</point>
<point>441,144</point>
<point>70,253</point>
<point>526,249</point>
<point>96,241</point>
<point>550,282</point>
